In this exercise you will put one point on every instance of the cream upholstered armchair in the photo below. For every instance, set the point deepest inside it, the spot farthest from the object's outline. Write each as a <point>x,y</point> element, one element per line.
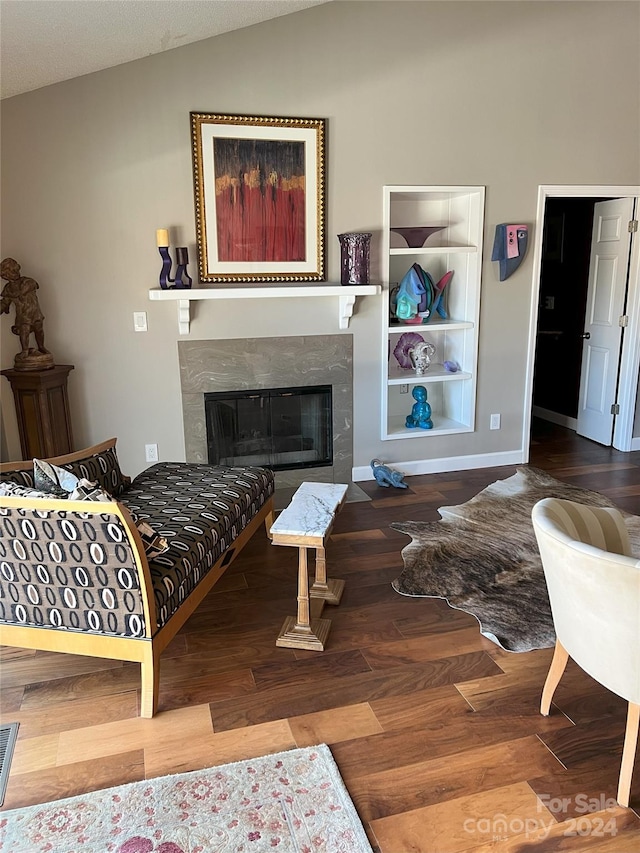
<point>594,589</point>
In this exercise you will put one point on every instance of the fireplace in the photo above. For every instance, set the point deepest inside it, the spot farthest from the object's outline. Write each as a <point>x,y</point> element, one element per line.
<point>280,428</point>
<point>247,366</point>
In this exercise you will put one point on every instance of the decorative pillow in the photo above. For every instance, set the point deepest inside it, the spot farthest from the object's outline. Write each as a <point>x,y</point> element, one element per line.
<point>87,491</point>
<point>21,475</point>
<point>82,491</point>
<point>16,490</point>
<point>154,544</point>
<point>101,467</point>
<point>99,463</point>
<point>53,480</point>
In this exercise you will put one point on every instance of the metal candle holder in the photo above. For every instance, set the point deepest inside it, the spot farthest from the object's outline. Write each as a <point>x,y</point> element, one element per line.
<point>182,256</point>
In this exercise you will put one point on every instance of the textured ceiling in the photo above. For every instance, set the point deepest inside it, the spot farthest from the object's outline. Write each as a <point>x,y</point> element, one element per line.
<point>47,41</point>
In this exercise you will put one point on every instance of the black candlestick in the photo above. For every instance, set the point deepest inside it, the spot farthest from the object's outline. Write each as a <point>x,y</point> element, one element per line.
<point>182,256</point>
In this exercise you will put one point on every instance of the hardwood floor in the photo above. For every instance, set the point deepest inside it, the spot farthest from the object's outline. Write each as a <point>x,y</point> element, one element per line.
<point>435,729</point>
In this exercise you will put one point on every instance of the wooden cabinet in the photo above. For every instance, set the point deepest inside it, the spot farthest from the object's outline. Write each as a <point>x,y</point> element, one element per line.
<point>42,408</point>
<point>456,248</point>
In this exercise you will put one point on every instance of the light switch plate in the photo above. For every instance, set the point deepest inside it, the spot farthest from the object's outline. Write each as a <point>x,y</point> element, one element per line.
<point>140,321</point>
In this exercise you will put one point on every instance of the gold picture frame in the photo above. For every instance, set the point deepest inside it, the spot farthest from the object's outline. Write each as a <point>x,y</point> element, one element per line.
<point>259,187</point>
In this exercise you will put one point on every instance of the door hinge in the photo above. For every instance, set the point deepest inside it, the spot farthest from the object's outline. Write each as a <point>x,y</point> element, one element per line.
<point>633,226</point>
<point>615,408</point>
<point>623,321</point>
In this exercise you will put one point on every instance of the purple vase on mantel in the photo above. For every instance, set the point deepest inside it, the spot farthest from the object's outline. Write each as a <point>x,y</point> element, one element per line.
<point>416,236</point>
<point>354,258</point>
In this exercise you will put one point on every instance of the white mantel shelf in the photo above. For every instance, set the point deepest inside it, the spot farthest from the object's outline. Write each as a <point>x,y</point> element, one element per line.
<point>347,295</point>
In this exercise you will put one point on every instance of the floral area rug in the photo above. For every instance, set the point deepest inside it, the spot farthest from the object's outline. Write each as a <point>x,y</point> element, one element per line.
<point>482,557</point>
<point>290,802</point>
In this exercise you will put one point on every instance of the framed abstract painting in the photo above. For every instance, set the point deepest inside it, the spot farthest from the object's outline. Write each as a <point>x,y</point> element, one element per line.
<point>259,198</point>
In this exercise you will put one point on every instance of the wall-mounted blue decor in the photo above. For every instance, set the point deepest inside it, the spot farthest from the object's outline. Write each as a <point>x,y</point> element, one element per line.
<point>509,247</point>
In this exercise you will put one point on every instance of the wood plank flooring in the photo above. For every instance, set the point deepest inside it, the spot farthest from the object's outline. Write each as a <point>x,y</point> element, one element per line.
<point>435,729</point>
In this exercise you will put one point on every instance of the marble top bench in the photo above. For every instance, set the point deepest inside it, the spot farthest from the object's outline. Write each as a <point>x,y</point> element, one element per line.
<point>307,523</point>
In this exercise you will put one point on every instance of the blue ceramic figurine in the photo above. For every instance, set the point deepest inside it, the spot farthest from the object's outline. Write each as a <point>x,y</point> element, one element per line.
<point>386,476</point>
<point>421,412</point>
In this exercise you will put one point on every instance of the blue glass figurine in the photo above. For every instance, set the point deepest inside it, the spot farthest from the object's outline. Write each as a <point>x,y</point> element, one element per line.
<point>421,412</point>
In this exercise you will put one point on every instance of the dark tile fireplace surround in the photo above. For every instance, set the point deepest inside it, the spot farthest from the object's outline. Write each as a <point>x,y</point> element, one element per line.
<point>246,364</point>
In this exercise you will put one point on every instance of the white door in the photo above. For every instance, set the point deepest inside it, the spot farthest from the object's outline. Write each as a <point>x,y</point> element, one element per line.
<point>608,270</point>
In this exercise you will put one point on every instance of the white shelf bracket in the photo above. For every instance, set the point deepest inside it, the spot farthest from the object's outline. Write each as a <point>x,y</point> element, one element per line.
<point>346,309</point>
<point>184,316</point>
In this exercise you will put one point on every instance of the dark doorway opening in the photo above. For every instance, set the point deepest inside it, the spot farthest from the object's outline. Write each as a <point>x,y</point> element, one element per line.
<point>562,304</point>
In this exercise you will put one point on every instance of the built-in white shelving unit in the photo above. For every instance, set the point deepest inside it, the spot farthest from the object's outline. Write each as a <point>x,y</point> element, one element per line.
<point>347,295</point>
<point>457,247</point>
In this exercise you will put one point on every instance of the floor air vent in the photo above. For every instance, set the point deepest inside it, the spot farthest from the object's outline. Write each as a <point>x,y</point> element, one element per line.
<point>8,736</point>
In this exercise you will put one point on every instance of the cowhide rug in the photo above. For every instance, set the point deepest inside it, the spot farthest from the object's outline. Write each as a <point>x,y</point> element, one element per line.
<point>482,557</point>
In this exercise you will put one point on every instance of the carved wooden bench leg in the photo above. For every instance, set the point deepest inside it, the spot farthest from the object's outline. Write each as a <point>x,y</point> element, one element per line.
<point>303,632</point>
<point>329,589</point>
<point>150,672</point>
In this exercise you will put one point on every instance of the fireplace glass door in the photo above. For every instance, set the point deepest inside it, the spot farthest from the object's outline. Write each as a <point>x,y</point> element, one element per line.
<point>278,428</point>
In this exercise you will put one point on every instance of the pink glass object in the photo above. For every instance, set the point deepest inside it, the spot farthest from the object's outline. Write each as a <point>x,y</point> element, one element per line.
<point>417,236</point>
<point>406,342</point>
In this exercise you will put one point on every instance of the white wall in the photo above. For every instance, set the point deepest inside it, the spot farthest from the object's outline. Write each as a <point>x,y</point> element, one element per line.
<point>505,95</point>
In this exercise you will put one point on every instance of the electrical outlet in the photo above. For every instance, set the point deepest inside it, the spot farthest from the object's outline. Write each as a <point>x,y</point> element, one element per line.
<point>550,303</point>
<point>495,422</point>
<point>151,452</point>
<point>140,321</point>
<point>404,389</point>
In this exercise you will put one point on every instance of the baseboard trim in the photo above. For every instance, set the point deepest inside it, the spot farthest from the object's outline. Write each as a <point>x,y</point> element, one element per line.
<point>443,465</point>
<point>635,443</point>
<point>555,418</point>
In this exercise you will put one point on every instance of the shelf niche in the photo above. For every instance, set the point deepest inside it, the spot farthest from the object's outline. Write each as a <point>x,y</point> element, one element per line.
<point>457,247</point>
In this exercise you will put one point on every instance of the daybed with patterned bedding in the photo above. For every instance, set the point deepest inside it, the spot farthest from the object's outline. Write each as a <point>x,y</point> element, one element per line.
<point>90,576</point>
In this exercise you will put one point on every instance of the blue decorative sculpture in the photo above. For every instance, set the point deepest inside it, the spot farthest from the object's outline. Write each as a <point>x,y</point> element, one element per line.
<point>438,299</point>
<point>386,476</point>
<point>412,295</point>
<point>421,412</point>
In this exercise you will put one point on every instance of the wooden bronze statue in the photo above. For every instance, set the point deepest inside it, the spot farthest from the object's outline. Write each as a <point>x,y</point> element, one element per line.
<point>21,291</point>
